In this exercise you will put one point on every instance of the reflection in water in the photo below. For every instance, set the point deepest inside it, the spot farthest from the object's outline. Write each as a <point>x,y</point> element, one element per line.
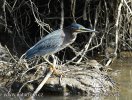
<point>122,73</point>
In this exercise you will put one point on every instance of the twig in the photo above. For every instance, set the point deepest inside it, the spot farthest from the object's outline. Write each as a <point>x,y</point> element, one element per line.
<point>128,6</point>
<point>27,71</point>
<point>117,28</point>
<point>84,11</point>
<point>14,4</point>
<point>108,62</point>
<point>5,14</point>
<point>73,49</point>
<point>79,53</point>
<point>24,85</point>
<point>101,41</point>
<point>73,7</point>
<point>45,79</point>
<point>10,54</point>
<point>42,83</point>
<point>37,19</point>
<point>62,14</point>
<point>90,40</point>
<point>86,47</point>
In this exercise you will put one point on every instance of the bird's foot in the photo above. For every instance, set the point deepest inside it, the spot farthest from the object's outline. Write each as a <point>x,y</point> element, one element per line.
<point>55,71</point>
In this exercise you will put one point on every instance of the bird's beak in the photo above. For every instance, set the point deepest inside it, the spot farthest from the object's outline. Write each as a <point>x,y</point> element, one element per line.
<point>88,30</point>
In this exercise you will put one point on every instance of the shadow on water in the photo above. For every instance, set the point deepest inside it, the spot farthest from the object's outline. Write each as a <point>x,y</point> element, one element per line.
<point>122,73</point>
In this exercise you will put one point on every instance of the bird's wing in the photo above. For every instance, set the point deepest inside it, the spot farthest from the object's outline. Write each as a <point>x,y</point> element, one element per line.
<point>52,42</point>
<point>49,44</point>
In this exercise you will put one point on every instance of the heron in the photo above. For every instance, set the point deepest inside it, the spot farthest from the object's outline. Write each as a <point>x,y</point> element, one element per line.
<point>56,41</point>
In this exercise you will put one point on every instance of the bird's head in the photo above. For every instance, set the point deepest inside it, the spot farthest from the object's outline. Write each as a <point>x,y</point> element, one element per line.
<point>77,28</point>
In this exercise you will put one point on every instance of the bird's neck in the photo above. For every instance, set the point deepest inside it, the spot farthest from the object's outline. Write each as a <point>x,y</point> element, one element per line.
<point>70,35</point>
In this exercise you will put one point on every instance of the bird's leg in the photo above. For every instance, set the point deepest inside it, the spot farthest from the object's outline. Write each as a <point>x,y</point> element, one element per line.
<point>55,60</point>
<point>58,73</point>
<point>55,65</point>
<point>52,65</point>
<point>48,61</point>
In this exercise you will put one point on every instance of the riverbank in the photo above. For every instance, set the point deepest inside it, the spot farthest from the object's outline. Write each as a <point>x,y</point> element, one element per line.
<point>86,78</point>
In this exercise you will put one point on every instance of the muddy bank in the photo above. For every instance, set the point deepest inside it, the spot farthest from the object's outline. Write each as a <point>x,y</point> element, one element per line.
<point>88,78</point>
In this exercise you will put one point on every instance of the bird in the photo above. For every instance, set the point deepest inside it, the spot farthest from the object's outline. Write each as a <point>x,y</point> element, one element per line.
<point>56,41</point>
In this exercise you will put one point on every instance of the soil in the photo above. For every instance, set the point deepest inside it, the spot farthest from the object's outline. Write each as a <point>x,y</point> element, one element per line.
<point>21,76</point>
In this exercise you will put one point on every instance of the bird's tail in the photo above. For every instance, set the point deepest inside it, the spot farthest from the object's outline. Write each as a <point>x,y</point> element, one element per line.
<point>29,54</point>
<point>23,56</point>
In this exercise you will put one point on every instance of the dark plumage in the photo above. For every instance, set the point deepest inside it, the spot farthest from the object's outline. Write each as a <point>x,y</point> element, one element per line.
<point>56,41</point>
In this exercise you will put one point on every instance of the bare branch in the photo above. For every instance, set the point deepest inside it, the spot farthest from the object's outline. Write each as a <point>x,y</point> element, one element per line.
<point>128,6</point>
<point>84,11</point>
<point>62,15</point>
<point>73,7</point>
<point>117,26</point>
<point>37,18</point>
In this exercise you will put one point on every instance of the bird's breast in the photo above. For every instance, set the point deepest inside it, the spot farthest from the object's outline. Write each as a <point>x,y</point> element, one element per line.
<point>68,40</point>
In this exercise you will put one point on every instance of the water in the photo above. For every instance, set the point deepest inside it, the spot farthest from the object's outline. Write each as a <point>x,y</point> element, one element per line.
<point>122,73</point>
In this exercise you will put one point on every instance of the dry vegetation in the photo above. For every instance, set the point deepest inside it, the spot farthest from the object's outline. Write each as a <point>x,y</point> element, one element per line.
<point>24,22</point>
